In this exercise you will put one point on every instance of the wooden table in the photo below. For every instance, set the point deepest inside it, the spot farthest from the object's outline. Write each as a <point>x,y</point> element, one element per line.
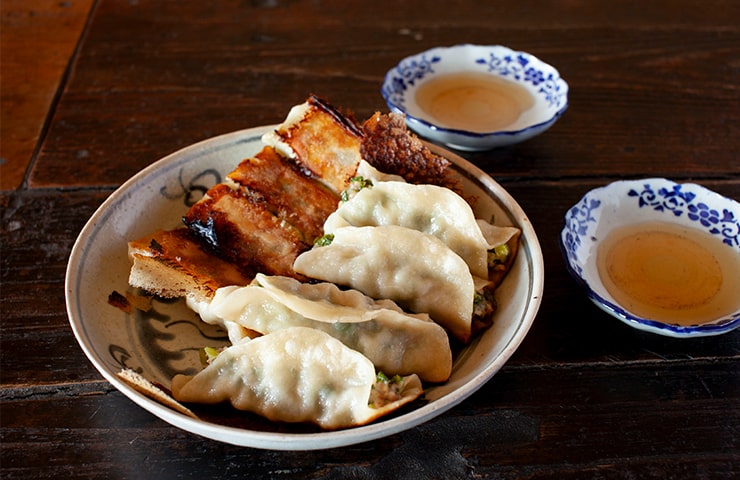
<point>654,92</point>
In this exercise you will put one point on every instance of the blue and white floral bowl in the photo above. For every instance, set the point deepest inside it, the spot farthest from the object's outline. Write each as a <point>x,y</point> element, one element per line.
<point>654,199</point>
<point>543,82</point>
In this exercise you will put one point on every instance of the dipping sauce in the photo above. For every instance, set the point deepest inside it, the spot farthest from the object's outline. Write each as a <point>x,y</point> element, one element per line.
<point>473,101</point>
<point>670,273</point>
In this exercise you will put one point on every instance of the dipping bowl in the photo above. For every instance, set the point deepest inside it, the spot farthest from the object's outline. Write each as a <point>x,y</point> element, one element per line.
<point>623,203</point>
<point>549,93</point>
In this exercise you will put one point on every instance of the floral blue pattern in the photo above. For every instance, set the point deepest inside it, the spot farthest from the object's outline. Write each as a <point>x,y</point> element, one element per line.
<point>517,67</point>
<point>407,73</point>
<point>577,222</point>
<point>514,66</point>
<point>657,199</point>
<point>542,81</point>
<point>679,202</point>
<point>673,200</point>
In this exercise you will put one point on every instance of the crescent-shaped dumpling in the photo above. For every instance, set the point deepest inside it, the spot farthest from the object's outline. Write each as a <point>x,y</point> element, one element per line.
<point>394,341</point>
<point>431,209</point>
<point>297,375</point>
<point>416,270</point>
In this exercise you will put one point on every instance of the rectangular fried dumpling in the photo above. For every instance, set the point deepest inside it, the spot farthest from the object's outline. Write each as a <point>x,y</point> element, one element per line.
<point>264,214</point>
<point>173,263</point>
<point>289,194</point>
<point>320,139</point>
<point>237,224</point>
<point>394,341</point>
<point>298,375</point>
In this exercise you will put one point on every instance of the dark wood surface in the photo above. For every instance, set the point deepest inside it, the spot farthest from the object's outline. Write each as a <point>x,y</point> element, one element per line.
<point>654,92</point>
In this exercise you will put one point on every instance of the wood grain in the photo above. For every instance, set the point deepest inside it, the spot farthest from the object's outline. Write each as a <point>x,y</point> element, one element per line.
<point>654,92</point>
<point>37,41</point>
<point>602,421</point>
<point>664,96</point>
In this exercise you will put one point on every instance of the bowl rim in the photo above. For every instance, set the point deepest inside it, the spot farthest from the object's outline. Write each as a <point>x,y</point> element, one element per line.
<point>722,325</point>
<point>467,133</point>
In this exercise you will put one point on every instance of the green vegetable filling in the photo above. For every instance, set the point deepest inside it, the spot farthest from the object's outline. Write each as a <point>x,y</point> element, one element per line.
<point>355,185</point>
<point>385,390</point>
<point>324,240</point>
<point>208,354</point>
<point>484,303</point>
<point>499,255</point>
<point>382,377</point>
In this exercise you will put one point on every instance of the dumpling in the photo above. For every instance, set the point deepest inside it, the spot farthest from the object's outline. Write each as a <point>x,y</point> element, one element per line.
<point>367,171</point>
<point>414,269</point>
<point>395,342</point>
<point>431,209</point>
<point>298,375</point>
<point>503,244</point>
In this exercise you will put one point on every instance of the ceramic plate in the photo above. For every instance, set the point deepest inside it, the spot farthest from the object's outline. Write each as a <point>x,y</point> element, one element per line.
<point>166,340</point>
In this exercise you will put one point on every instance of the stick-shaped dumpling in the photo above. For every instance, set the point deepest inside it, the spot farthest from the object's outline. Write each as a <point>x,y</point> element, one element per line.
<point>414,269</point>
<point>298,375</point>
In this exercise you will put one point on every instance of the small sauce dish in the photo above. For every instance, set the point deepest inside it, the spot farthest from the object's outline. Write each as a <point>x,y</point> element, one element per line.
<point>660,256</point>
<point>476,97</point>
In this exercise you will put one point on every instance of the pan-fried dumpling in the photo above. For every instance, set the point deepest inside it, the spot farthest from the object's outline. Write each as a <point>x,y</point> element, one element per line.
<point>431,209</point>
<point>394,341</point>
<point>414,269</point>
<point>298,375</point>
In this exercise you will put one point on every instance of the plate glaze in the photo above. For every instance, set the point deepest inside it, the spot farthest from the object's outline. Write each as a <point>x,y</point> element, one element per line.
<point>166,339</point>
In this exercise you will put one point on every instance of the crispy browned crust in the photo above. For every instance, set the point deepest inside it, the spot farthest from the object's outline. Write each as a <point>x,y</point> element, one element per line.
<point>268,210</point>
<point>390,147</point>
<point>324,142</point>
<point>273,206</point>
<point>239,225</point>
<point>264,215</point>
<point>289,194</point>
<point>173,264</point>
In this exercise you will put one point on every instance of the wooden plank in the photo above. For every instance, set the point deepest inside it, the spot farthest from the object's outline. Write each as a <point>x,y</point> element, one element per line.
<point>142,90</point>
<point>667,421</point>
<point>654,92</point>
<point>37,40</point>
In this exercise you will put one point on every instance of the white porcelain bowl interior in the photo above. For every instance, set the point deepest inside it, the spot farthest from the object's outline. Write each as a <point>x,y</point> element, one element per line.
<point>622,203</point>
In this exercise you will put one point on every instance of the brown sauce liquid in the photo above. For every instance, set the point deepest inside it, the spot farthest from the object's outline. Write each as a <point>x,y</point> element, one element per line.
<point>473,101</point>
<point>670,273</point>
